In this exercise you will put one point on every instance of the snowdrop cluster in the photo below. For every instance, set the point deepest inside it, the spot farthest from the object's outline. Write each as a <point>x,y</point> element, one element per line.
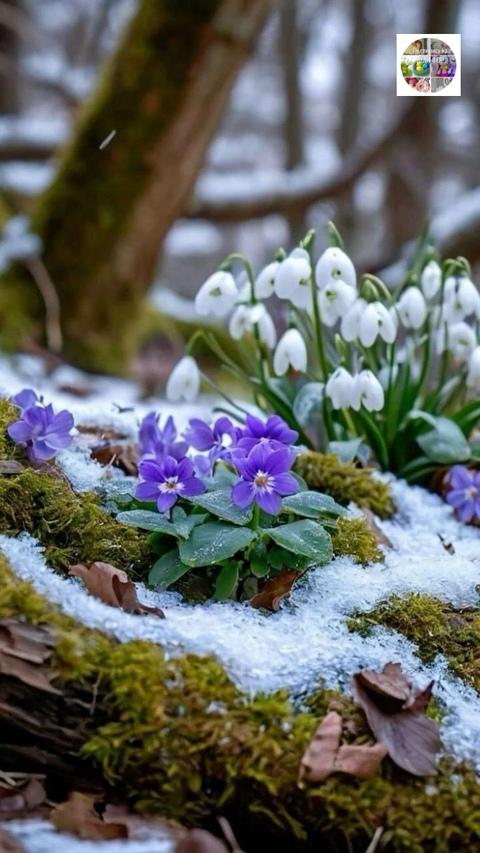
<point>345,352</point>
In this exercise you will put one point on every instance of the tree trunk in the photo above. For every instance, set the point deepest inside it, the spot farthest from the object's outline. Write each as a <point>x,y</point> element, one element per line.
<point>103,219</point>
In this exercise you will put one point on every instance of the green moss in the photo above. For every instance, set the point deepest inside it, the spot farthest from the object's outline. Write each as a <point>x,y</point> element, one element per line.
<point>345,482</point>
<point>8,414</point>
<point>434,626</point>
<point>182,741</point>
<point>354,538</point>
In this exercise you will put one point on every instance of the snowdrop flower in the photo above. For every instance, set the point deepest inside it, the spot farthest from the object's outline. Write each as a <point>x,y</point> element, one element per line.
<point>334,300</point>
<point>412,308</point>
<point>291,352</point>
<point>243,320</point>
<point>334,263</point>
<point>367,391</point>
<point>339,388</point>
<point>265,281</point>
<point>459,339</point>
<point>267,330</point>
<point>473,375</point>
<point>461,299</point>
<point>292,279</point>
<point>217,295</point>
<point>431,279</point>
<point>184,381</point>
<point>368,320</point>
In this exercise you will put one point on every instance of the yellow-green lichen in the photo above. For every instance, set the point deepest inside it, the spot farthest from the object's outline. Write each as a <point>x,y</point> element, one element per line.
<point>182,741</point>
<point>345,482</point>
<point>354,538</point>
<point>434,626</point>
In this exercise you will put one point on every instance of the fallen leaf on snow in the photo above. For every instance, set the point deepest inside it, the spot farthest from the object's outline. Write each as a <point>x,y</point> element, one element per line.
<point>325,756</point>
<point>122,456</point>
<point>79,817</point>
<point>395,712</point>
<point>275,590</point>
<point>112,586</point>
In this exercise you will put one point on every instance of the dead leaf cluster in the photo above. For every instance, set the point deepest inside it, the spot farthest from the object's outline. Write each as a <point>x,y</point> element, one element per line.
<point>25,651</point>
<point>112,586</point>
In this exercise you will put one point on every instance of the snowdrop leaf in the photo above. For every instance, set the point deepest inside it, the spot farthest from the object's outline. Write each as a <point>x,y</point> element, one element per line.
<point>226,581</point>
<point>312,504</point>
<point>304,537</point>
<point>219,503</point>
<point>445,443</point>
<point>308,402</point>
<point>213,542</point>
<point>166,570</point>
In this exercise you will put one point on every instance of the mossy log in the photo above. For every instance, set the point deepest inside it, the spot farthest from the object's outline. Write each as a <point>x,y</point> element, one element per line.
<point>103,219</point>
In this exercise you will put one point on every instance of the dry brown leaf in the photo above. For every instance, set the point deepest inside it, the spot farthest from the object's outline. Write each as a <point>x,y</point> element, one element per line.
<point>78,817</point>
<point>10,466</point>
<point>137,825</point>
<point>112,586</point>
<point>9,844</point>
<point>122,456</point>
<point>24,653</point>
<point>325,756</point>
<point>275,590</point>
<point>411,738</point>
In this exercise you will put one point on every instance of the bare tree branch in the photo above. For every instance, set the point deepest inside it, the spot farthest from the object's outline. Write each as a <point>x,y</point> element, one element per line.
<point>300,191</point>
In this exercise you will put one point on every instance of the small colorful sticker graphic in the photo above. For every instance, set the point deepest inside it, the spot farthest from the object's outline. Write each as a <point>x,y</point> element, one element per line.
<point>428,65</point>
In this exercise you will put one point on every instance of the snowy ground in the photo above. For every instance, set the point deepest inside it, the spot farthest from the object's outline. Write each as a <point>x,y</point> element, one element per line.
<point>308,639</point>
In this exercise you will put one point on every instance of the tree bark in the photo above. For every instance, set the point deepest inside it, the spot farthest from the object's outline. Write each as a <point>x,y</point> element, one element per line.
<point>103,219</point>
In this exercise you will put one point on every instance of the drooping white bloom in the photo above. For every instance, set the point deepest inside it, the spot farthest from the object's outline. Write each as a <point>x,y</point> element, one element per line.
<point>292,279</point>
<point>473,374</point>
<point>431,279</point>
<point>267,330</point>
<point>217,295</point>
<point>367,391</point>
<point>290,352</point>
<point>265,281</point>
<point>184,381</point>
<point>367,321</point>
<point>339,388</point>
<point>458,338</point>
<point>461,299</point>
<point>334,263</point>
<point>334,300</point>
<point>412,308</point>
<point>244,318</point>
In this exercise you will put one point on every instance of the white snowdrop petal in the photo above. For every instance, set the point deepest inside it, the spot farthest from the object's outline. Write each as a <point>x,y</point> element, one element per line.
<point>184,381</point>
<point>412,308</point>
<point>335,263</point>
<point>339,388</point>
<point>431,279</point>
<point>265,281</point>
<point>217,295</point>
<point>290,352</point>
<point>473,374</point>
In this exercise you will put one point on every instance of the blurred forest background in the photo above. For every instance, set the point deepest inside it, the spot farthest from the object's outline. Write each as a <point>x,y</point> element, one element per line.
<point>147,140</point>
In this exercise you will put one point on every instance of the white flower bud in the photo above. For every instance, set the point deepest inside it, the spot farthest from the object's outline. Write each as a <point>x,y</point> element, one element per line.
<point>473,375</point>
<point>265,281</point>
<point>376,321</point>
<point>334,300</point>
<point>460,299</point>
<point>412,308</point>
<point>367,391</point>
<point>217,295</point>
<point>339,388</point>
<point>292,279</point>
<point>431,279</point>
<point>458,338</point>
<point>243,320</point>
<point>267,330</point>
<point>184,381</point>
<point>290,352</point>
<point>334,263</point>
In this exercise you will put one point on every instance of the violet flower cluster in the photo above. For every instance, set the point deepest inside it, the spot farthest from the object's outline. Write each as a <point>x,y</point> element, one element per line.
<point>39,430</point>
<point>261,453</point>
<point>464,493</point>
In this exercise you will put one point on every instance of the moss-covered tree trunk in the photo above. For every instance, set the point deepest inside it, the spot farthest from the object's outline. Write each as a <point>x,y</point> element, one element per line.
<point>103,218</point>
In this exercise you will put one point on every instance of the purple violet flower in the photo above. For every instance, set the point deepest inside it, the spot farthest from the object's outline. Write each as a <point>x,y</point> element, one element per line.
<point>273,432</point>
<point>26,398</point>
<point>166,480</point>
<point>464,492</point>
<point>160,442</point>
<point>217,439</point>
<point>265,478</point>
<point>40,430</point>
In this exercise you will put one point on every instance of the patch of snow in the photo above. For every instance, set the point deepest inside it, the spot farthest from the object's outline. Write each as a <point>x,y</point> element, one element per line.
<point>40,836</point>
<point>25,178</point>
<point>308,639</point>
<point>192,238</point>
